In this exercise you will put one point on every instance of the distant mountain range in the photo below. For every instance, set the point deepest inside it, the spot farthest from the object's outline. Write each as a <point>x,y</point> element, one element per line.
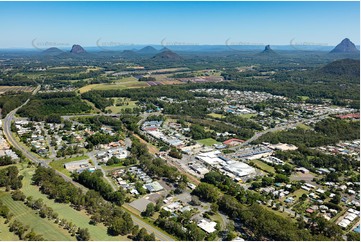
<point>346,49</point>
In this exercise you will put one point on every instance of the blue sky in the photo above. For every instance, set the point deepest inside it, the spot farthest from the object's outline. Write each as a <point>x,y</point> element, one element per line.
<point>116,23</point>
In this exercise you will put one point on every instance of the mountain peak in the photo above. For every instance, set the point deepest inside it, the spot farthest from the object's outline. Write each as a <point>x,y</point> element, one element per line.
<point>148,50</point>
<point>77,49</point>
<point>267,50</point>
<point>346,46</point>
<point>167,55</point>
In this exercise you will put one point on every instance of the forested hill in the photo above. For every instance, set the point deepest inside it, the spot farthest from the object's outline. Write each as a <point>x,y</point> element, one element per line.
<point>344,67</point>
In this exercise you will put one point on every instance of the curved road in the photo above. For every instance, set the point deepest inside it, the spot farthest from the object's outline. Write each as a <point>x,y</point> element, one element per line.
<point>13,142</point>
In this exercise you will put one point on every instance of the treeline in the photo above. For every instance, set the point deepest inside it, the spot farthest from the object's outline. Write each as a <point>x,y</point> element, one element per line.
<point>99,101</point>
<point>116,220</point>
<point>10,178</point>
<point>45,106</point>
<point>259,223</point>
<point>312,159</point>
<point>295,83</point>
<point>96,122</point>
<point>198,131</point>
<point>101,138</point>
<point>95,181</point>
<point>6,160</point>
<point>154,167</point>
<point>45,211</point>
<point>11,101</point>
<point>327,132</point>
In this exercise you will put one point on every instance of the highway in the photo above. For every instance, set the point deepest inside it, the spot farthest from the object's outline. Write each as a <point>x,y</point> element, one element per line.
<point>160,235</point>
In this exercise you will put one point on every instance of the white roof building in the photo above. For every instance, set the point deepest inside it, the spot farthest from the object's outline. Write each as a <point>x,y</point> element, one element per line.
<point>209,227</point>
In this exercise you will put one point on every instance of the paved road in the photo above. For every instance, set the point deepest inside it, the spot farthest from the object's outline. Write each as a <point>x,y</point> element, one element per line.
<point>13,142</point>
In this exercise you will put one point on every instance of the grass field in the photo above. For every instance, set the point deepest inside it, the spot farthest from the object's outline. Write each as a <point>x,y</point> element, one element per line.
<point>304,98</point>
<point>59,164</point>
<point>124,83</point>
<point>207,142</point>
<point>5,234</point>
<point>263,166</point>
<point>27,216</point>
<point>117,109</point>
<point>80,218</point>
<point>215,115</point>
<point>304,126</point>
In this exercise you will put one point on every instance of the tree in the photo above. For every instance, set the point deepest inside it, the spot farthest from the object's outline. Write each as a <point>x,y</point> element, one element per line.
<point>18,195</point>
<point>214,207</point>
<point>83,234</point>
<point>336,199</point>
<point>149,211</point>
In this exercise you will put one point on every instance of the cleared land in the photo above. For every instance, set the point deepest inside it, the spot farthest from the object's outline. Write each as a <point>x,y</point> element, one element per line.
<point>216,115</point>
<point>4,89</point>
<point>127,104</point>
<point>263,166</point>
<point>59,164</point>
<point>124,83</point>
<point>207,142</point>
<point>250,115</point>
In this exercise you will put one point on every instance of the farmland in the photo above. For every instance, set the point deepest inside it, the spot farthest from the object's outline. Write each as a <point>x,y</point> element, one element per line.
<point>4,89</point>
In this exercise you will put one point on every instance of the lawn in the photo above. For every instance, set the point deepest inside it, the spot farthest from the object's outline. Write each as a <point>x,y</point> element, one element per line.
<point>27,216</point>
<point>215,115</point>
<point>263,166</point>
<point>59,164</point>
<point>80,218</point>
<point>207,142</point>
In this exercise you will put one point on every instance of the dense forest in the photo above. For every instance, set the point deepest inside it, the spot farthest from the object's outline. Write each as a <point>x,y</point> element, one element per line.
<point>326,132</point>
<point>46,105</point>
<point>11,101</point>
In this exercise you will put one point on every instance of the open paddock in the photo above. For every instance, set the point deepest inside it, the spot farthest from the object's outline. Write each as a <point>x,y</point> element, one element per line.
<point>5,89</point>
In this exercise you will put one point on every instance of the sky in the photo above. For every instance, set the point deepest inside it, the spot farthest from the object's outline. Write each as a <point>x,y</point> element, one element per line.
<point>62,24</point>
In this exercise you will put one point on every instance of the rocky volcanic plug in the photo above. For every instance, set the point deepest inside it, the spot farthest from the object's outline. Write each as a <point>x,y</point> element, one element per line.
<point>346,46</point>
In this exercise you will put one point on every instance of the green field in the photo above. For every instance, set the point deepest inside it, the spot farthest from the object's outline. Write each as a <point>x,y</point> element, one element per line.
<point>304,98</point>
<point>117,109</point>
<point>59,164</point>
<point>215,115</point>
<point>263,166</point>
<point>207,142</point>
<point>27,216</point>
<point>80,218</point>
<point>304,126</point>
